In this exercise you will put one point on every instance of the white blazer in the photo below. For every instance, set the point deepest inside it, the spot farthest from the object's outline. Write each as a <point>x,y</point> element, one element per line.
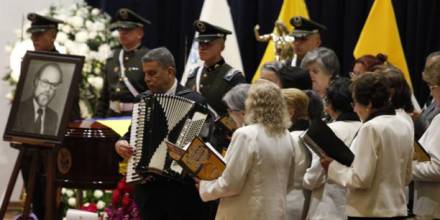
<point>296,197</point>
<point>427,174</point>
<point>258,175</point>
<point>328,198</point>
<point>381,168</point>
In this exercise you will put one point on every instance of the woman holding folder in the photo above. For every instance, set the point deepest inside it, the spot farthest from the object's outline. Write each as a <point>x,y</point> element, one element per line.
<point>383,151</point>
<point>328,199</point>
<point>259,161</point>
<point>426,174</point>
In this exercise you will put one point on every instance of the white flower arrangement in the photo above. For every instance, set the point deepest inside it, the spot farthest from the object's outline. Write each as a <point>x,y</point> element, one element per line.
<point>84,33</point>
<point>90,200</point>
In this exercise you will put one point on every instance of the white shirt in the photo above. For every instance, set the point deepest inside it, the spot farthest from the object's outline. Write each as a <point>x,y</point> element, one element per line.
<point>381,168</point>
<point>259,172</point>
<point>427,174</point>
<point>172,90</point>
<point>328,199</point>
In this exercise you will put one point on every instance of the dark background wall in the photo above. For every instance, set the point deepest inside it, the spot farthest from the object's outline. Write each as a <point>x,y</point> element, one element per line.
<point>418,21</point>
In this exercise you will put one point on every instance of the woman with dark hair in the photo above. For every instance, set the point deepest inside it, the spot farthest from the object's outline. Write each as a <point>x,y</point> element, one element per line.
<point>316,107</point>
<point>270,71</point>
<point>383,150</point>
<point>427,174</point>
<point>284,76</point>
<point>328,199</point>
<point>367,63</point>
<point>400,93</point>
<point>400,89</point>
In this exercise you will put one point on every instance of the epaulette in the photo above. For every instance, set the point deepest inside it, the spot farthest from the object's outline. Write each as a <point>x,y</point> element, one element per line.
<point>231,74</point>
<point>193,72</point>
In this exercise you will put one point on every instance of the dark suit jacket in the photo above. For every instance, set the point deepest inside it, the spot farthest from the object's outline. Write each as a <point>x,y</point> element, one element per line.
<point>25,120</point>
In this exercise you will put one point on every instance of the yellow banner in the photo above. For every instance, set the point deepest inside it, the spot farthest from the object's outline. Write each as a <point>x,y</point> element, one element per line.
<point>380,34</point>
<point>289,9</point>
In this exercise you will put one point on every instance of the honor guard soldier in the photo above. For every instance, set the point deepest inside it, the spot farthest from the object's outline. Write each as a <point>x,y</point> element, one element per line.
<point>43,32</point>
<point>215,77</point>
<point>123,75</point>
<point>307,38</point>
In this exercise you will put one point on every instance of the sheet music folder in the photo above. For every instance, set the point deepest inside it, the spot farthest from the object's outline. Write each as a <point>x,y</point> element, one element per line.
<point>200,159</point>
<point>323,141</point>
<point>420,154</point>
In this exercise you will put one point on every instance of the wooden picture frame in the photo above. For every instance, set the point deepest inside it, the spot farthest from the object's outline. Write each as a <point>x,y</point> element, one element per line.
<point>43,98</point>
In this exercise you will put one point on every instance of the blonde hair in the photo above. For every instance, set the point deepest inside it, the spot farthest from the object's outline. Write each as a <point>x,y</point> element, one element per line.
<point>265,105</point>
<point>297,100</point>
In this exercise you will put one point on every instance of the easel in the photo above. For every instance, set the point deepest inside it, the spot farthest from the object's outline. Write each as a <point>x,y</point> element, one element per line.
<point>49,167</point>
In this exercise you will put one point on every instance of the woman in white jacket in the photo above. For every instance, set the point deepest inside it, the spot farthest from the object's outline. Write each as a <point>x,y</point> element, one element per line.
<point>328,198</point>
<point>383,150</point>
<point>298,106</point>
<point>427,174</point>
<point>259,161</point>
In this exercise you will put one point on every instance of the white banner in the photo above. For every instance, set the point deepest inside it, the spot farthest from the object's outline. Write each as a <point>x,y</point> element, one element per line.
<point>216,12</point>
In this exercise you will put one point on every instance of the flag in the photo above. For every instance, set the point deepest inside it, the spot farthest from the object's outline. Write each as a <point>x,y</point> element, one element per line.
<point>289,9</point>
<point>381,35</point>
<point>216,12</point>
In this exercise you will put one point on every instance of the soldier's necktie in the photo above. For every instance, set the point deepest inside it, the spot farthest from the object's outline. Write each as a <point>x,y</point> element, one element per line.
<point>38,121</point>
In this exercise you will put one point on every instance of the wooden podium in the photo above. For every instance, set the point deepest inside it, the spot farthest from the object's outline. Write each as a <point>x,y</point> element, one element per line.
<point>85,160</point>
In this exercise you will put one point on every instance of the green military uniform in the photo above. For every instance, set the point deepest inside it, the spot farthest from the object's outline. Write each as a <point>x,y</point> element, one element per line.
<point>118,95</point>
<point>114,89</point>
<point>215,81</point>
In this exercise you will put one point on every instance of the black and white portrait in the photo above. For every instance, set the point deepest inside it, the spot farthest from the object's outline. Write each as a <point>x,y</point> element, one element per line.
<point>43,96</point>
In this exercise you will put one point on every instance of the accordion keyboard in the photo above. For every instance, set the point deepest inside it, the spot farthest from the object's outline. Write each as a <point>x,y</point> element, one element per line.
<point>155,119</point>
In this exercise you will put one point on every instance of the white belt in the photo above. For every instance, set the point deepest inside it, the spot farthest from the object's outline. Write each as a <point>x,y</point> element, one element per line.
<point>120,107</point>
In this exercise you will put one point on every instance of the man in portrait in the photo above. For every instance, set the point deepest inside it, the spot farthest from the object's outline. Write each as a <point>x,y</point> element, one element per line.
<point>34,114</point>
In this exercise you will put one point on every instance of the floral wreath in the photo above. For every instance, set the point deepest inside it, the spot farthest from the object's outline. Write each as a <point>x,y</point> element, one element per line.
<point>84,33</point>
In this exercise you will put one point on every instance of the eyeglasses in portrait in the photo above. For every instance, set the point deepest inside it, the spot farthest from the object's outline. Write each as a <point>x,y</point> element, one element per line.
<point>44,97</point>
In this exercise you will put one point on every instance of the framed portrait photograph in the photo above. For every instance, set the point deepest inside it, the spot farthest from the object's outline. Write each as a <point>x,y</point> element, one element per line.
<point>43,98</point>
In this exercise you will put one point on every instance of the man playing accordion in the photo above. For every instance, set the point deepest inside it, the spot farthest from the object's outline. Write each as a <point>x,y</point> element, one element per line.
<point>164,196</point>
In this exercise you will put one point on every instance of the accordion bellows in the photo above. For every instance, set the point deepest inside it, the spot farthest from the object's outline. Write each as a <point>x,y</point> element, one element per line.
<point>157,118</point>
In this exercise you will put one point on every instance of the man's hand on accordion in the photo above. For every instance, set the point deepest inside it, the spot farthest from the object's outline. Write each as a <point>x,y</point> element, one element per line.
<point>123,148</point>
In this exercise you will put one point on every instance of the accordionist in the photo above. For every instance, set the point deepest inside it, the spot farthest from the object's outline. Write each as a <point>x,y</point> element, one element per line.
<point>163,196</point>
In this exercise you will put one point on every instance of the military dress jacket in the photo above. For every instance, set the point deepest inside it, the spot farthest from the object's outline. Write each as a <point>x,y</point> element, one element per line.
<point>114,88</point>
<point>215,81</point>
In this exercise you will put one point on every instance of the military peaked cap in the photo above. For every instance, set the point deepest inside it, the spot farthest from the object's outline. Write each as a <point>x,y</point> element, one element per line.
<point>208,32</point>
<point>41,23</point>
<point>304,27</point>
<point>127,19</point>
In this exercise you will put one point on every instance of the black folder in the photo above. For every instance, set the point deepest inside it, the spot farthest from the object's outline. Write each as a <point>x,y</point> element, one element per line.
<point>323,141</point>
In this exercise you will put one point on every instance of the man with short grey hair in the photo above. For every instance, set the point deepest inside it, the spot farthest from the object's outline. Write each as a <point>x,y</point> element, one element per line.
<point>164,197</point>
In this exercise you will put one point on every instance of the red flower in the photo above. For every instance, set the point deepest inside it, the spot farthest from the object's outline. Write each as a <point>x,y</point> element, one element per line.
<point>116,197</point>
<point>126,200</point>
<point>129,188</point>
<point>121,184</point>
<point>90,207</point>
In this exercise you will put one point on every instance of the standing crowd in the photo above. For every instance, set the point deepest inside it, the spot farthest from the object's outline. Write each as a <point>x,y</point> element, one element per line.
<point>270,173</point>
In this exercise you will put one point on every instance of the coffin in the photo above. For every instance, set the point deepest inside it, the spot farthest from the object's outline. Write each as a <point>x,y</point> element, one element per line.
<point>87,157</point>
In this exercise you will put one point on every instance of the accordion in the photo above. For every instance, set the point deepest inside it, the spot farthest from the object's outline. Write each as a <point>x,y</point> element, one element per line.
<point>158,118</point>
